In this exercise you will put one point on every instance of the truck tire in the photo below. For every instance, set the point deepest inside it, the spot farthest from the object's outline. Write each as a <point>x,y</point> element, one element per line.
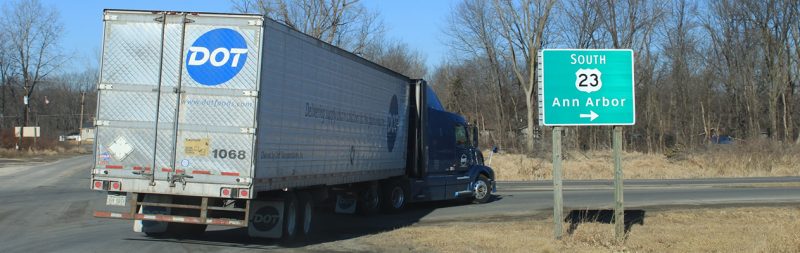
<point>395,196</point>
<point>305,215</point>
<point>482,189</point>
<point>290,212</point>
<point>369,200</point>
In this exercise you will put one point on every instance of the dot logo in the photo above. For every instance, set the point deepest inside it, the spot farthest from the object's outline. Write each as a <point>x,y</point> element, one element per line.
<point>393,123</point>
<point>266,218</point>
<point>216,56</point>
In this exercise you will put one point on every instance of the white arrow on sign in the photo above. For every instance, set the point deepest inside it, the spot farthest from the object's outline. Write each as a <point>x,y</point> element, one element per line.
<point>591,115</point>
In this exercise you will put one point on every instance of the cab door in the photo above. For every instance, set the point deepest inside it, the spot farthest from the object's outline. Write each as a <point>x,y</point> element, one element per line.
<point>458,179</point>
<point>463,154</point>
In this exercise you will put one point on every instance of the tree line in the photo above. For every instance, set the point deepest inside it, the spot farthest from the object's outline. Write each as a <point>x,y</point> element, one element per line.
<point>727,67</point>
<point>716,68</point>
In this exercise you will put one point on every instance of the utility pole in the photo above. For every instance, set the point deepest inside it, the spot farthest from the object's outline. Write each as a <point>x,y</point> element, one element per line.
<point>80,122</point>
<point>26,108</point>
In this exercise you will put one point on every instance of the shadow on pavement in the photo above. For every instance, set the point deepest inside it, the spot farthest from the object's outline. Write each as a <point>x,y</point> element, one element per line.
<point>328,227</point>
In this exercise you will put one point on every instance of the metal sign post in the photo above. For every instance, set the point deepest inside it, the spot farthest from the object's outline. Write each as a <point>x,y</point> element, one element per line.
<point>619,209</point>
<point>558,205</point>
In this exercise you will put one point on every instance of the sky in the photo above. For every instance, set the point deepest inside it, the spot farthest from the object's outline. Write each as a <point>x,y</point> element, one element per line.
<point>416,22</point>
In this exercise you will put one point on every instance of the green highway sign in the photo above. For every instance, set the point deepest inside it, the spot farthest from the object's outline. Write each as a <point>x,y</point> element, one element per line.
<point>580,87</point>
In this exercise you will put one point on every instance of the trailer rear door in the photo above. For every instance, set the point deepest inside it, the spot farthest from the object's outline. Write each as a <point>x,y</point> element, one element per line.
<point>177,96</point>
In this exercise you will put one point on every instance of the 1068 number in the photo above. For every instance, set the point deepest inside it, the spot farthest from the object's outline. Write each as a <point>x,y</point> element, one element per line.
<point>229,154</point>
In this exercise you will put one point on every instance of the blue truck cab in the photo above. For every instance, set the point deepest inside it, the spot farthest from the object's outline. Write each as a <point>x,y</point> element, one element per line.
<point>445,161</point>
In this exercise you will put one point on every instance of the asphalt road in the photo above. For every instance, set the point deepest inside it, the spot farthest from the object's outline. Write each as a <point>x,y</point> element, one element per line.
<point>47,207</point>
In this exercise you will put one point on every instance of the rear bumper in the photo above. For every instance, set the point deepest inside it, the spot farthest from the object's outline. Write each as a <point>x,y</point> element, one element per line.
<point>171,218</point>
<point>209,214</point>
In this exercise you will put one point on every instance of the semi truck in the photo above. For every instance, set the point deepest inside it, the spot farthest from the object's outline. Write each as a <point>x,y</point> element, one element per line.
<point>238,120</point>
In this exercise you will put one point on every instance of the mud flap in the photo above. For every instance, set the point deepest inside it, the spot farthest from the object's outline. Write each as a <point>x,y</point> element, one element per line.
<point>266,219</point>
<point>153,226</point>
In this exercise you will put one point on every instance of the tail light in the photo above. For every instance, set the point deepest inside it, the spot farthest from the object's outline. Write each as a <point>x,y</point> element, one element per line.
<point>98,185</point>
<point>225,192</point>
<point>114,186</point>
<point>244,193</point>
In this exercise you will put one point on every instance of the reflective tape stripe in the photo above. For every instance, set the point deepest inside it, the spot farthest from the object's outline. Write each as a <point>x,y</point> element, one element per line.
<point>205,172</point>
<point>170,218</point>
<point>225,173</point>
<point>102,214</point>
<point>113,166</point>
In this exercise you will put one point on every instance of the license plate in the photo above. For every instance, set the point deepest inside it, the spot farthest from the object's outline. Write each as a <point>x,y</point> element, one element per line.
<point>116,200</point>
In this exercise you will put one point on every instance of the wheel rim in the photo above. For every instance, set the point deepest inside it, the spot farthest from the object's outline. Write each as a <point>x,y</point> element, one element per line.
<point>291,219</point>
<point>398,198</point>
<point>481,189</point>
<point>372,199</point>
<point>307,212</point>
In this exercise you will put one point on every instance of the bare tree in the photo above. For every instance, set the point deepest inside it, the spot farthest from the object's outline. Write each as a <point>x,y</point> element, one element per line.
<point>726,67</point>
<point>343,23</point>
<point>473,31</point>
<point>399,57</point>
<point>579,24</point>
<point>6,74</point>
<point>33,32</point>
<point>522,26</point>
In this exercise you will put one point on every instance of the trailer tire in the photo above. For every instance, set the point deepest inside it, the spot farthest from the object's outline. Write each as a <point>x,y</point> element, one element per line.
<point>395,196</point>
<point>305,215</point>
<point>369,200</point>
<point>482,189</point>
<point>290,218</point>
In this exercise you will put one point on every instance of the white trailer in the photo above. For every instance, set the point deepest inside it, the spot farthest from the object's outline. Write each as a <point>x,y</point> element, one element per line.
<point>234,119</point>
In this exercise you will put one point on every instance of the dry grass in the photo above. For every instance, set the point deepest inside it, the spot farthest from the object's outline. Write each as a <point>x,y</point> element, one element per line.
<point>45,152</point>
<point>702,230</point>
<point>739,160</point>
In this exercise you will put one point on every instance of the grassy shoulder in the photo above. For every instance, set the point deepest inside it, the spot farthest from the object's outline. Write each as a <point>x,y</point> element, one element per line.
<point>750,229</point>
<point>740,160</point>
<point>45,153</point>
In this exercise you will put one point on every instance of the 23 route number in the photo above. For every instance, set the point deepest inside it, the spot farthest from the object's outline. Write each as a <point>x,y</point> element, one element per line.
<point>588,80</point>
<point>584,83</point>
<point>229,154</point>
